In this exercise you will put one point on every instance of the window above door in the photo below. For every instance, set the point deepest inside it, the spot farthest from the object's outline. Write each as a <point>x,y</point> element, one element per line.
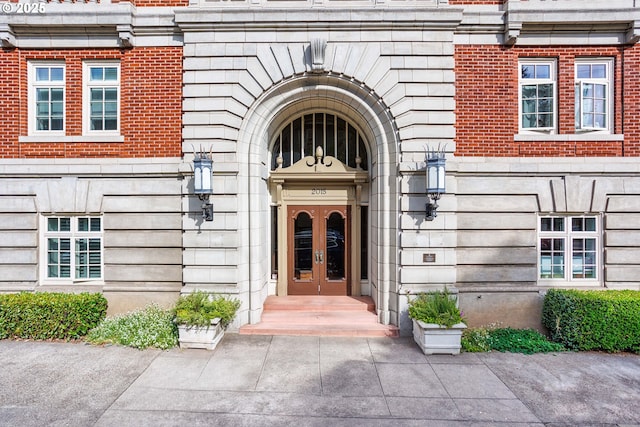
<point>336,136</point>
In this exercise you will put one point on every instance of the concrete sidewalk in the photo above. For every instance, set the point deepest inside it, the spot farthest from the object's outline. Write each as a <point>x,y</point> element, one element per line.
<point>317,381</point>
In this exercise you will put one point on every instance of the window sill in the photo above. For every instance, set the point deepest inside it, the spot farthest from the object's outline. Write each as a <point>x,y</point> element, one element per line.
<point>570,137</point>
<point>587,283</point>
<point>71,139</point>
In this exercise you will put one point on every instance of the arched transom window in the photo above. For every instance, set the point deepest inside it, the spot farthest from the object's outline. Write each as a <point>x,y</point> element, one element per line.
<point>337,137</point>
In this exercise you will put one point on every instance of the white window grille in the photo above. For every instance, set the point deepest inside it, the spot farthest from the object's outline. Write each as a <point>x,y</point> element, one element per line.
<point>593,95</point>
<point>569,248</point>
<point>537,81</point>
<point>72,248</point>
<point>46,97</point>
<point>101,98</point>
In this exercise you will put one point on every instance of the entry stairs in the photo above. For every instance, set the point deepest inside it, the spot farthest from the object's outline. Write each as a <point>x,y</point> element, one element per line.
<point>320,316</point>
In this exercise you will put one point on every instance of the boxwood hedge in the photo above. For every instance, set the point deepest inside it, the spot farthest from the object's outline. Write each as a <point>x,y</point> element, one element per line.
<point>49,315</point>
<point>593,320</point>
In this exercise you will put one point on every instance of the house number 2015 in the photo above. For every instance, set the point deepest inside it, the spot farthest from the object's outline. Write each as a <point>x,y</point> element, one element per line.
<point>318,191</point>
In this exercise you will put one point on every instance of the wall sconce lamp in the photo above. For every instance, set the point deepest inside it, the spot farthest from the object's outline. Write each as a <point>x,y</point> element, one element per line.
<point>435,182</point>
<point>202,183</point>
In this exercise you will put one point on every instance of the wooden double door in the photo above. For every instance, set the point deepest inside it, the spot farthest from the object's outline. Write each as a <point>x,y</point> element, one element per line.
<point>318,255</point>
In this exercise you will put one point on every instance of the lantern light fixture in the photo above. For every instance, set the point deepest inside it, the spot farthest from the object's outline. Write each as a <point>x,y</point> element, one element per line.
<point>435,174</point>
<point>203,182</point>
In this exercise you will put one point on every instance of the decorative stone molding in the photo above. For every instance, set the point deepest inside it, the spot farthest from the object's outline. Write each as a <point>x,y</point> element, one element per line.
<point>318,48</point>
<point>589,21</point>
<point>7,38</point>
<point>125,34</point>
<point>511,32</point>
<point>319,166</point>
<point>572,193</point>
<point>103,24</point>
<point>633,35</point>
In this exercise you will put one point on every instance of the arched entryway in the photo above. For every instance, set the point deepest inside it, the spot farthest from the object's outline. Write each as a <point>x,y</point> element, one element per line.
<point>319,194</point>
<point>351,188</point>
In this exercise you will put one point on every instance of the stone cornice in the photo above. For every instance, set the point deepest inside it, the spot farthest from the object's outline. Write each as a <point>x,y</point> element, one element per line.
<point>122,25</point>
<point>551,22</point>
<point>221,19</point>
<point>571,18</point>
<point>73,25</point>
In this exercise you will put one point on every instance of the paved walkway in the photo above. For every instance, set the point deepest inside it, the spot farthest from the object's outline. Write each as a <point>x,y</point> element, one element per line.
<point>311,381</point>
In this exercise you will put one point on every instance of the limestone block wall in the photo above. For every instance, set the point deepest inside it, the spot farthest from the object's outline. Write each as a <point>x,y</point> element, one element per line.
<point>18,242</point>
<point>498,206</point>
<point>132,179</point>
<point>622,236</point>
<point>140,204</point>
<point>231,70</point>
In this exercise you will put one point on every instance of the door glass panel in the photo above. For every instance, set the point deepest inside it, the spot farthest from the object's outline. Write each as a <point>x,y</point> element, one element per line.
<point>335,253</point>
<point>303,247</point>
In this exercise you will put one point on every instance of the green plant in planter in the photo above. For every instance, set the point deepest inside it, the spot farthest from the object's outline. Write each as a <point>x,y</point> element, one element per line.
<point>201,308</point>
<point>439,307</point>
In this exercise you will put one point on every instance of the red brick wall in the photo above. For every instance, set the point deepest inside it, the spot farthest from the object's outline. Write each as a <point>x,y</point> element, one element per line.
<point>9,103</point>
<point>631,121</point>
<point>487,101</point>
<point>150,103</point>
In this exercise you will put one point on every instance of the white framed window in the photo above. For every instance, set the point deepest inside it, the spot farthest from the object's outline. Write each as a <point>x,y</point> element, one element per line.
<point>101,98</point>
<point>569,248</point>
<point>46,98</point>
<point>537,95</point>
<point>594,94</point>
<point>72,248</point>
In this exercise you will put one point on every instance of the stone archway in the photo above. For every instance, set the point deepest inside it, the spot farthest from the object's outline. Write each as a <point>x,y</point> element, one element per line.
<point>333,94</point>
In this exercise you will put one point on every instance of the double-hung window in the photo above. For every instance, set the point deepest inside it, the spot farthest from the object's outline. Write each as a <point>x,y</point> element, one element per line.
<point>101,98</point>
<point>593,79</point>
<point>537,95</point>
<point>46,98</point>
<point>569,248</point>
<point>73,248</point>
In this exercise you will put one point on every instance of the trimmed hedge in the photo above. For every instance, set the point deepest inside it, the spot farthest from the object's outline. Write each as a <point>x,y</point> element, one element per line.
<point>593,320</point>
<point>49,315</point>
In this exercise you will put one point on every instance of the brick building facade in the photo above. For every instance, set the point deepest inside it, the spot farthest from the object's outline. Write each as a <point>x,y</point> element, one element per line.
<point>535,103</point>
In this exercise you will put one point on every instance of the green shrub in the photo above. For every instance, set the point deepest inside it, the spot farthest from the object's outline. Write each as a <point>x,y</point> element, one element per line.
<point>593,320</point>
<point>149,327</point>
<point>527,341</point>
<point>45,315</point>
<point>475,340</point>
<point>199,308</point>
<point>439,307</point>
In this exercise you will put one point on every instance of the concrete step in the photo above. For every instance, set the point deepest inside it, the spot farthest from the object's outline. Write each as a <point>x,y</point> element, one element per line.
<point>319,303</point>
<point>320,316</point>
